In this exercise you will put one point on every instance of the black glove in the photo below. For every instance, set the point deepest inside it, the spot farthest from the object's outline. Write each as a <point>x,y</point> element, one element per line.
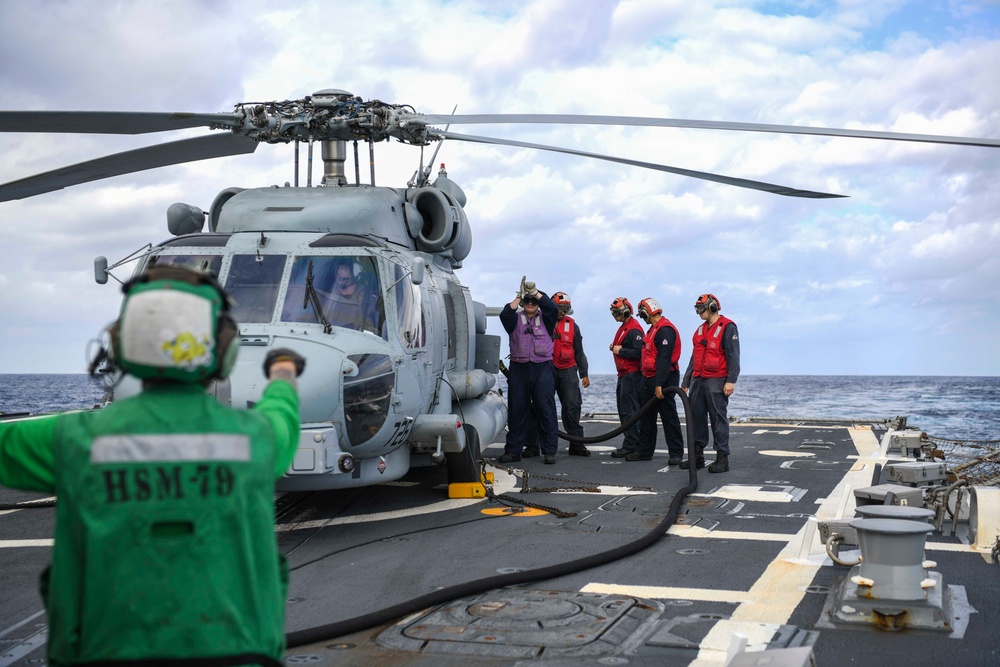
<point>284,354</point>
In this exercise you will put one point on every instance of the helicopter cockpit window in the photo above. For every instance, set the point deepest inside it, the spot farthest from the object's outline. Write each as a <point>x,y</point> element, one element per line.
<point>367,395</point>
<point>342,291</point>
<point>408,310</point>
<point>203,263</point>
<point>253,283</point>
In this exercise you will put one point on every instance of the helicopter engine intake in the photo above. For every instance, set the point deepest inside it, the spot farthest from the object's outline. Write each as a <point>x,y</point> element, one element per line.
<point>443,224</point>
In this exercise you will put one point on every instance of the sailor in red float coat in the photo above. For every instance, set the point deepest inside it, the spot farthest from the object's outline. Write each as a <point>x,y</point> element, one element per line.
<point>627,349</point>
<point>571,369</point>
<point>660,352</point>
<point>711,376</point>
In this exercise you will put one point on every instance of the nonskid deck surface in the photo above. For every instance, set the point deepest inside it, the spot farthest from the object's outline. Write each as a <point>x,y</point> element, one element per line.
<point>743,558</point>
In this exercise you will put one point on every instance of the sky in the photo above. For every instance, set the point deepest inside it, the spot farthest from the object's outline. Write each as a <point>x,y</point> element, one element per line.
<point>900,278</point>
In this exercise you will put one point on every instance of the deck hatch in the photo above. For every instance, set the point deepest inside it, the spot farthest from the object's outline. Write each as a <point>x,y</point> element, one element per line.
<point>526,623</point>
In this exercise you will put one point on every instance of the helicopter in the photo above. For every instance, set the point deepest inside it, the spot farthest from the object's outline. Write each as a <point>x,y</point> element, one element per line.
<point>360,279</point>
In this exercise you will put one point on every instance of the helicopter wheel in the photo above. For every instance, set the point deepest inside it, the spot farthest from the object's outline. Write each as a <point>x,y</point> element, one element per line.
<point>463,466</point>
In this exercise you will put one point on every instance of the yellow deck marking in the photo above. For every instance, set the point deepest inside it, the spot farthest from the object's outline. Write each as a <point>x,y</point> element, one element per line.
<point>513,511</point>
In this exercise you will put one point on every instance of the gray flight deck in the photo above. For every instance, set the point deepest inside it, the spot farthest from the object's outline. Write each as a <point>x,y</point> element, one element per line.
<point>486,582</point>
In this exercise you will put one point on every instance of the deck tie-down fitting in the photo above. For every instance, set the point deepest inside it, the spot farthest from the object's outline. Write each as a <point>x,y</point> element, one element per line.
<point>892,588</point>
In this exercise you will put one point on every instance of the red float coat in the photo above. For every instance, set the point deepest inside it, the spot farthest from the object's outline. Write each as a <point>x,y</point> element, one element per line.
<point>650,351</point>
<point>562,343</point>
<point>624,365</point>
<point>708,360</point>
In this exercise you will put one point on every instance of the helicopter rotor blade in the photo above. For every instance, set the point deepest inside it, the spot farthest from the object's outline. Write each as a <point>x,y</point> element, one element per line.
<point>111,122</point>
<point>706,176</point>
<point>150,157</point>
<point>576,119</point>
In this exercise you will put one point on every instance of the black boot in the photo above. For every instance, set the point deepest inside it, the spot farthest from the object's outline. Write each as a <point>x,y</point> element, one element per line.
<point>578,450</point>
<point>699,460</point>
<point>721,463</point>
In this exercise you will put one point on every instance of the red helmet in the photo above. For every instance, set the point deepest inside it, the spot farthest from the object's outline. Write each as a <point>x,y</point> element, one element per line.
<point>649,307</point>
<point>621,307</point>
<point>561,299</point>
<point>707,302</point>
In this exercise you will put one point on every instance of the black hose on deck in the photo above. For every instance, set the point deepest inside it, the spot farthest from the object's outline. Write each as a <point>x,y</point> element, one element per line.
<point>403,609</point>
<point>593,439</point>
<point>29,505</point>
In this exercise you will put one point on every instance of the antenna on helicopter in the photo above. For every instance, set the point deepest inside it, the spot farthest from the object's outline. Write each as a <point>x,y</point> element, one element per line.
<point>422,177</point>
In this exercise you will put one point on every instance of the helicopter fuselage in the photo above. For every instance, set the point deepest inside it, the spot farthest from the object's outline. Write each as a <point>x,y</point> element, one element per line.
<point>361,282</point>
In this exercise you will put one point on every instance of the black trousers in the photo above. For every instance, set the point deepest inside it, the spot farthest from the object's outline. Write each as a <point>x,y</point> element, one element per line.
<point>627,395</point>
<point>527,384</point>
<point>667,410</point>
<point>570,399</point>
<point>709,403</point>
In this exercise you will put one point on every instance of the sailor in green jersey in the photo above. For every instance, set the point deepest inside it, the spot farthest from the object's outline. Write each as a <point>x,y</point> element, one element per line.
<point>164,540</point>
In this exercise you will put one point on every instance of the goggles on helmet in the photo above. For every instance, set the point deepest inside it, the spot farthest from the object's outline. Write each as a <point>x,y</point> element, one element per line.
<point>621,307</point>
<point>561,299</point>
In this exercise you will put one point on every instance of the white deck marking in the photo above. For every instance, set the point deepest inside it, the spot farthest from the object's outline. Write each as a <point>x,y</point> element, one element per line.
<point>956,548</point>
<point>782,452</point>
<point>669,593</point>
<point>609,491</point>
<point>762,431</point>
<point>12,654</point>
<point>781,587</point>
<point>747,492</point>
<point>697,532</point>
<point>14,544</point>
<point>778,591</point>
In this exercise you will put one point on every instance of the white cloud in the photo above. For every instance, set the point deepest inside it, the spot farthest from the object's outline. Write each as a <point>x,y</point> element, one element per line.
<point>915,238</point>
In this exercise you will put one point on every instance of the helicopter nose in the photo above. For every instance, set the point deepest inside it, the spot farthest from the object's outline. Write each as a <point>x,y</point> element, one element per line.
<point>354,390</point>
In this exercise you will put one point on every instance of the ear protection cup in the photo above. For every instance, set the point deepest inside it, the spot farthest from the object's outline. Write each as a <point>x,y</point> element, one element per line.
<point>713,304</point>
<point>709,302</point>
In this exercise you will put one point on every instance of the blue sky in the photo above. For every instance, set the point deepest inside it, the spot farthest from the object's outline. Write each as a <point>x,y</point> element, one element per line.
<point>898,279</point>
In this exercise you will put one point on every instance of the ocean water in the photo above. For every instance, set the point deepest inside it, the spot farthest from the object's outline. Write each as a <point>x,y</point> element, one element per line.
<point>957,408</point>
